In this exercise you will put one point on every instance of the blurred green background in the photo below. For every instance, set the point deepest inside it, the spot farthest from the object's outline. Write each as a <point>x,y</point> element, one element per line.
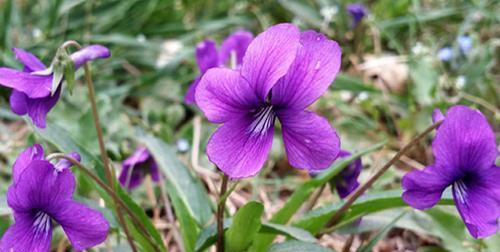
<point>392,75</point>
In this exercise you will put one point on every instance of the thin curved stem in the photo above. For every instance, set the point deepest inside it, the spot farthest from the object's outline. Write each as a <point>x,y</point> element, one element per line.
<point>104,155</point>
<point>111,193</point>
<point>336,217</point>
<point>220,214</point>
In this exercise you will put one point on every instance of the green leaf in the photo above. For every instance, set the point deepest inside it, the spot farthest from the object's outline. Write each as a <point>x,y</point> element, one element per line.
<point>297,246</point>
<point>293,232</point>
<point>142,243</point>
<point>246,224</point>
<point>304,12</point>
<point>425,79</point>
<point>5,22</point>
<point>58,75</point>
<point>303,193</point>
<point>188,226</point>
<point>371,203</point>
<point>141,215</point>
<point>423,17</point>
<point>449,227</point>
<point>380,235</point>
<point>69,76</point>
<point>348,83</point>
<point>493,243</point>
<point>208,236</point>
<point>62,65</point>
<point>189,189</point>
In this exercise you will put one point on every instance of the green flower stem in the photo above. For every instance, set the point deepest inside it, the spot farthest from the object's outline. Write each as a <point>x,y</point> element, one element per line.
<point>104,155</point>
<point>220,214</point>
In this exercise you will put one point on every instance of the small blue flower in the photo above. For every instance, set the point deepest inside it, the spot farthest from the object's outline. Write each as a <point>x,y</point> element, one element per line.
<point>182,145</point>
<point>445,54</point>
<point>465,44</point>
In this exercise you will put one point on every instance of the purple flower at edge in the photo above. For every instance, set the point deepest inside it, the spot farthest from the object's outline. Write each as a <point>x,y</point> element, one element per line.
<point>40,196</point>
<point>347,180</point>
<point>357,12</point>
<point>282,73</point>
<point>207,56</point>
<point>465,151</point>
<point>136,166</point>
<point>31,93</point>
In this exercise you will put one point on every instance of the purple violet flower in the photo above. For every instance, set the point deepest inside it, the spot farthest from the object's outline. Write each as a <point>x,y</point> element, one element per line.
<point>347,180</point>
<point>31,94</point>
<point>207,56</point>
<point>465,151</point>
<point>136,166</point>
<point>357,12</point>
<point>282,73</point>
<point>40,197</point>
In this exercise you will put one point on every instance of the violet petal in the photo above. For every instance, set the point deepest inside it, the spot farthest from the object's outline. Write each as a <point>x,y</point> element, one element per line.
<point>89,53</point>
<point>223,95</point>
<point>189,98</point>
<point>23,235</point>
<point>314,69</point>
<point>24,158</point>
<point>422,189</point>
<point>18,102</point>
<point>478,202</point>
<point>31,62</point>
<point>40,187</point>
<point>310,142</point>
<point>206,55</point>
<point>269,57</point>
<point>465,142</point>
<point>238,151</point>
<point>236,43</point>
<point>40,107</point>
<point>85,227</point>
<point>34,86</point>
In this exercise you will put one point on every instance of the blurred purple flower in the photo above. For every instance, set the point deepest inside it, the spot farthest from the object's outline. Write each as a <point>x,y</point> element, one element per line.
<point>136,166</point>
<point>207,56</point>
<point>465,151</point>
<point>357,12</point>
<point>40,195</point>
<point>445,54</point>
<point>31,93</point>
<point>282,73</point>
<point>465,44</point>
<point>347,180</point>
<point>437,116</point>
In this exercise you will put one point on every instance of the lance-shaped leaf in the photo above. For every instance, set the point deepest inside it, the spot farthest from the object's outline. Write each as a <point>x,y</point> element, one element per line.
<point>303,193</point>
<point>246,224</point>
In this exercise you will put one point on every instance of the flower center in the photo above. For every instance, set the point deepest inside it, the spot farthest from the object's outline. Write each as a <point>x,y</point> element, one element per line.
<point>461,191</point>
<point>263,120</point>
<point>42,223</point>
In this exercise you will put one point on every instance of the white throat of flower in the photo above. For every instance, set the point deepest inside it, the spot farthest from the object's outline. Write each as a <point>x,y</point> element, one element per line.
<point>263,120</point>
<point>42,223</point>
<point>461,191</point>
